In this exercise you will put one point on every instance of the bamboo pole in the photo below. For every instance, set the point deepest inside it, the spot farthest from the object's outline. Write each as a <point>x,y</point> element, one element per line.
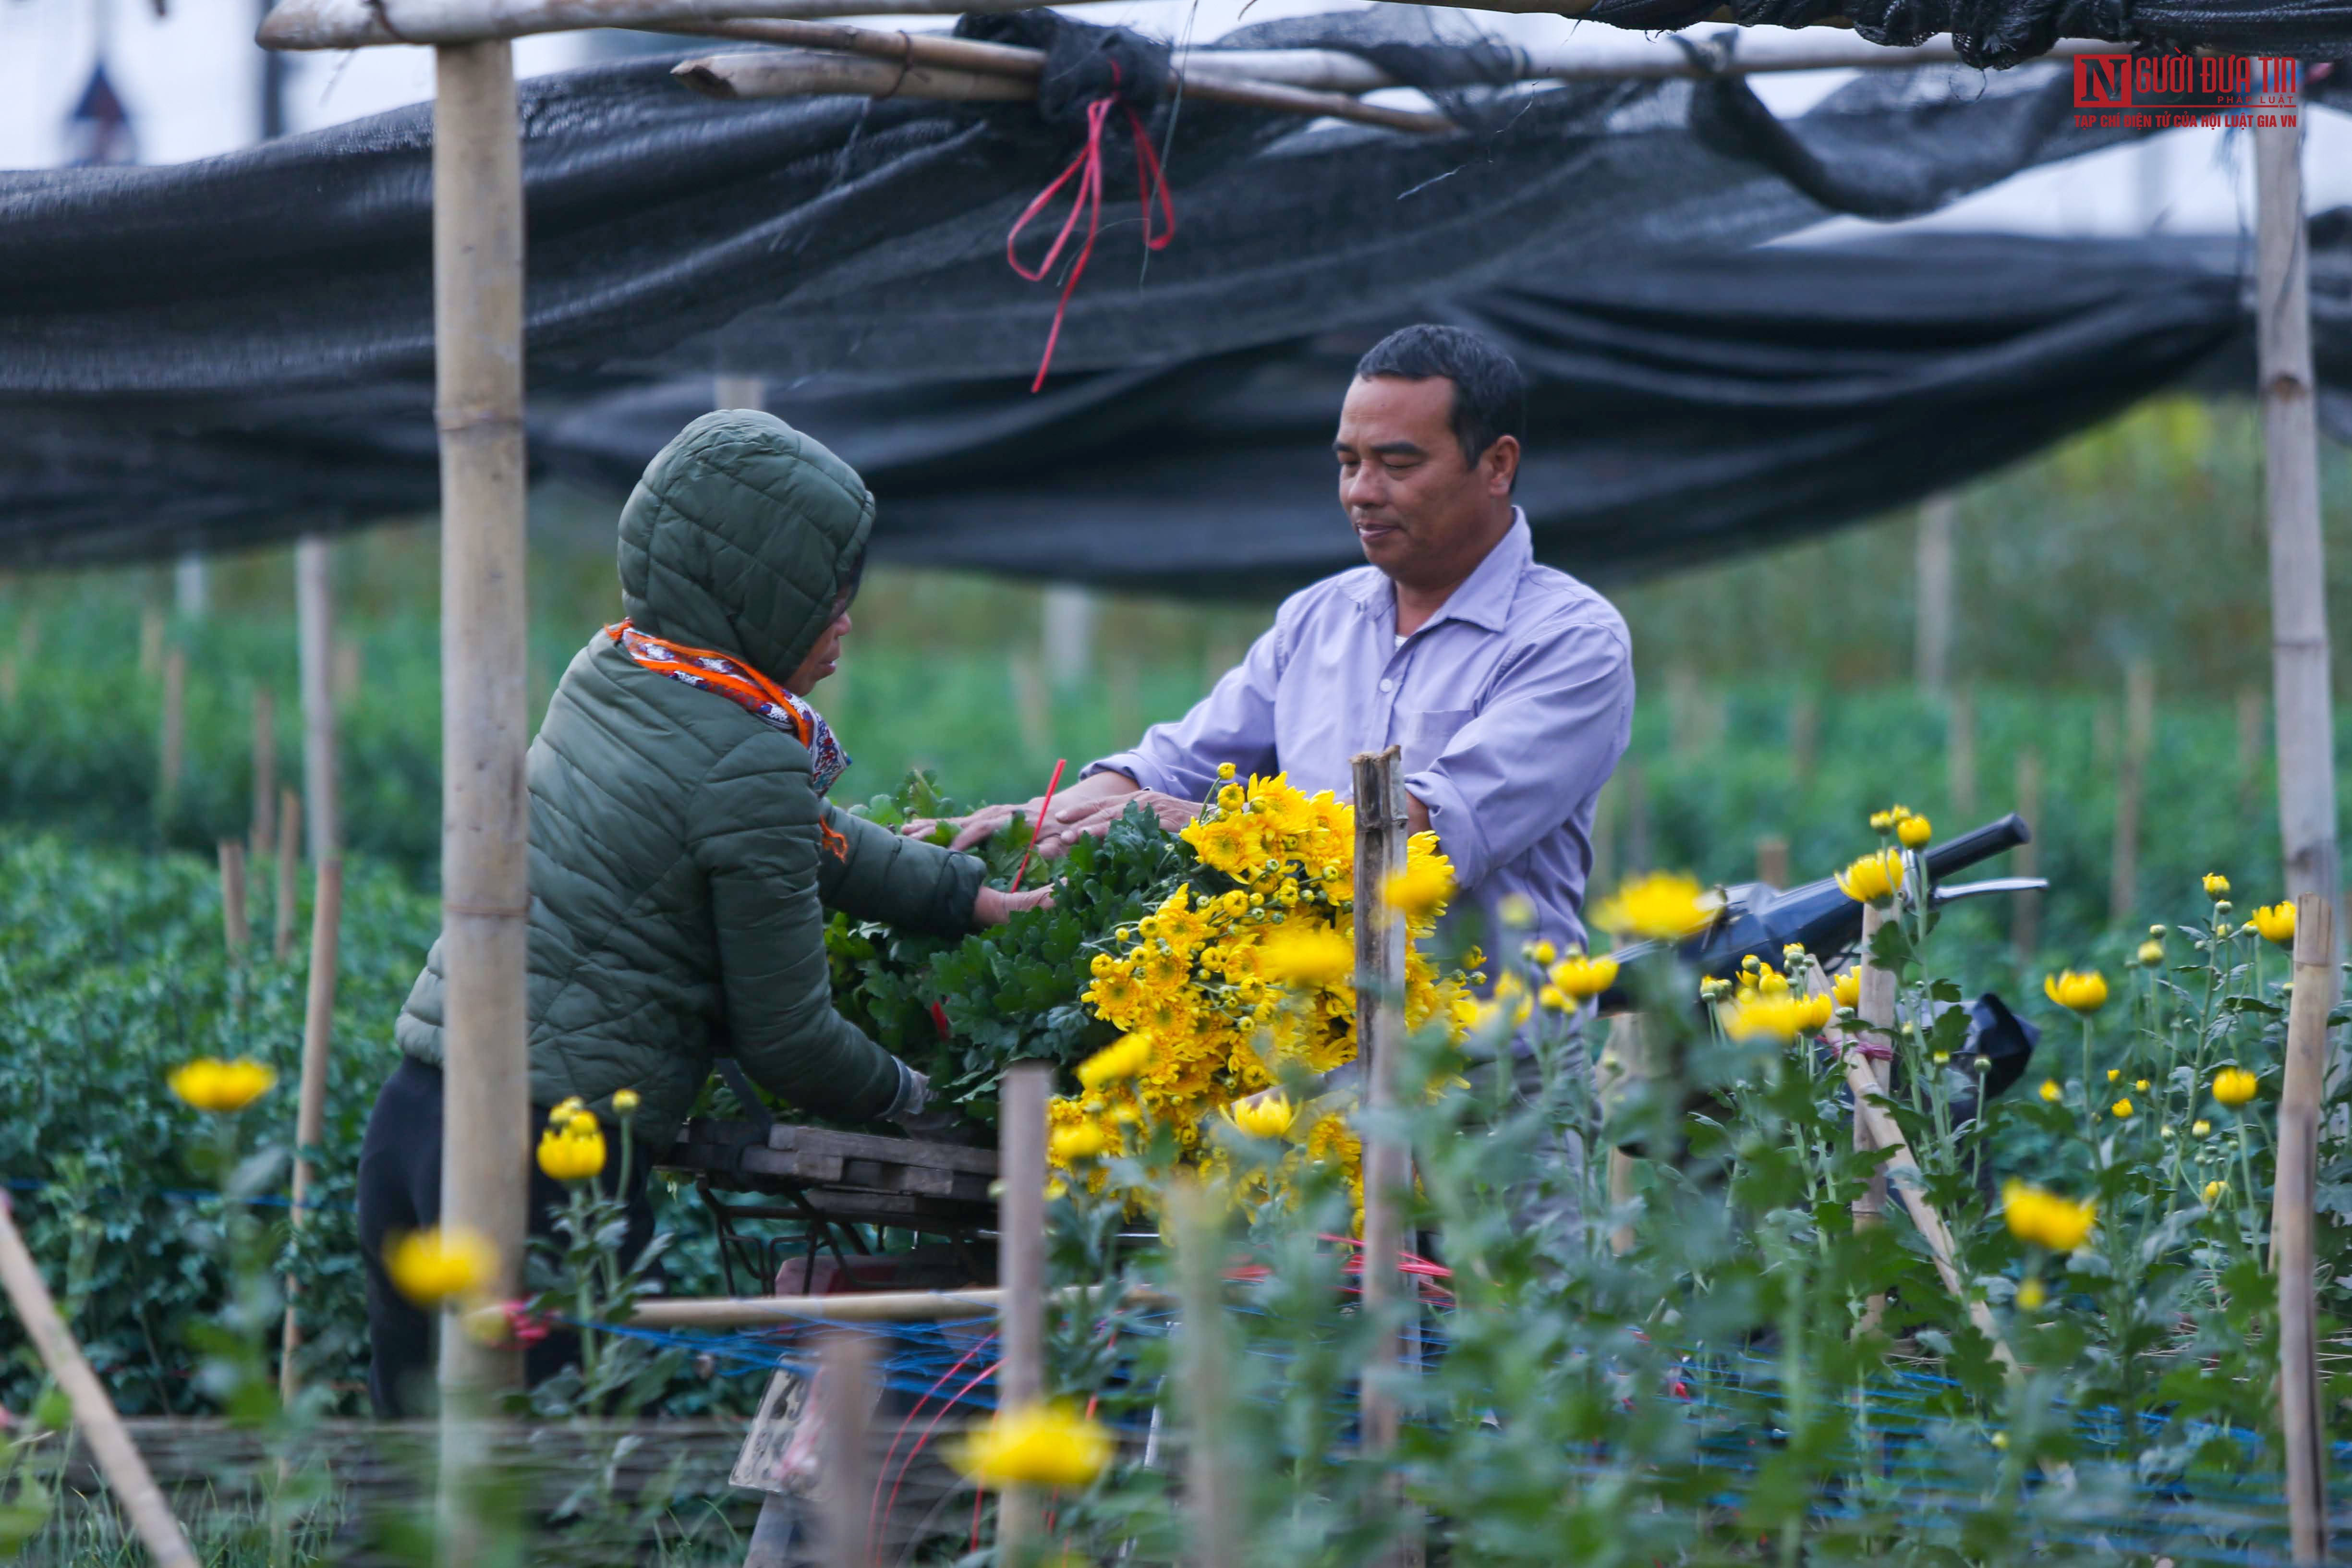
<point>845,1373</point>
<point>875,1307</point>
<point>478,275</point>
<point>2025,909</point>
<point>175,732</point>
<point>1772,860</point>
<point>1960,751</point>
<point>265,772</point>
<point>314,609</point>
<point>1213,1517</point>
<point>117,1458</point>
<point>2305,727</point>
<point>794,73</point>
<point>1932,655</point>
<point>2131,783</point>
<point>1875,1003</point>
<point>1593,53</point>
<point>1380,939</point>
<point>1021,1271</point>
<point>2293,1221</point>
<point>289,865</point>
<point>236,930</point>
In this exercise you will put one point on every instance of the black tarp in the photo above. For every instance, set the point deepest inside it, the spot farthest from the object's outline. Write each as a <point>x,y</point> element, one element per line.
<point>227,352</point>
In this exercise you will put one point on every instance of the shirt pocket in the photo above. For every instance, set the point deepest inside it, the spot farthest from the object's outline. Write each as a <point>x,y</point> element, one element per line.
<point>1422,737</point>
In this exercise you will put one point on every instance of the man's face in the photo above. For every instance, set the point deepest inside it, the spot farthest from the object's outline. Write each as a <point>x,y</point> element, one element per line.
<point>1424,514</point>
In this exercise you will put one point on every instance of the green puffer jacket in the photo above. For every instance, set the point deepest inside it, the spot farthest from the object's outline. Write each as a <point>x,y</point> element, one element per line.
<point>678,877</point>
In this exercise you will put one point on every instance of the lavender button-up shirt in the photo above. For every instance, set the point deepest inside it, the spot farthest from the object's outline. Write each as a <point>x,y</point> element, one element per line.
<point>1511,705</point>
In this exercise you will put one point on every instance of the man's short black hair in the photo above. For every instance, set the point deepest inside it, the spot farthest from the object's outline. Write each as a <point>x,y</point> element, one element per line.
<point>1490,396</point>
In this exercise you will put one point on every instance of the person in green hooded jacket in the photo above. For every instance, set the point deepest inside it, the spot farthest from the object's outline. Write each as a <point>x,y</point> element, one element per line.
<point>683,853</point>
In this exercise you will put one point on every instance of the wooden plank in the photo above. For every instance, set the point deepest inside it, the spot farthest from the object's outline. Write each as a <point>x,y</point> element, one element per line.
<point>901,1150</point>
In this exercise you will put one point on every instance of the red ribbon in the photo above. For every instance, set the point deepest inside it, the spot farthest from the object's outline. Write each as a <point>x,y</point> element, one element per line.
<point>1086,167</point>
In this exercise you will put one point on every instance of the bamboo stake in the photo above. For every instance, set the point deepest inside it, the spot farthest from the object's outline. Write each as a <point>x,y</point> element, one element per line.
<point>1211,1517</point>
<point>176,731</point>
<point>1960,751</point>
<point>236,931</point>
<point>1874,1002</point>
<point>845,1373</point>
<point>2131,779</point>
<point>1020,1269</point>
<point>2025,909</point>
<point>117,1458</point>
<point>792,73</point>
<point>1932,653</point>
<point>1772,860</point>
<point>1380,939</point>
<point>310,1116</point>
<point>478,274</point>
<point>2305,727</point>
<point>2292,1221</point>
<point>265,771</point>
<point>314,608</point>
<point>289,864</point>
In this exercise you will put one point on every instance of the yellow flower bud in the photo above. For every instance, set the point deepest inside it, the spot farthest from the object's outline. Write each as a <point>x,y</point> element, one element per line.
<point>624,1102</point>
<point>445,1264</point>
<point>222,1088</point>
<point>2233,1087</point>
<point>1914,832</point>
<point>2051,1091</point>
<point>2031,1295</point>
<point>2217,886</point>
<point>2084,993</point>
<point>2122,1108</point>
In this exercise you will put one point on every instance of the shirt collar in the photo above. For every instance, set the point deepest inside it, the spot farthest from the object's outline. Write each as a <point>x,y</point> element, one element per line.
<point>1485,597</point>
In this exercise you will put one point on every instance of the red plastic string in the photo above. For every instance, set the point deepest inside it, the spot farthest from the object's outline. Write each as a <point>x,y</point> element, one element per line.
<point>1051,785</point>
<point>1087,168</point>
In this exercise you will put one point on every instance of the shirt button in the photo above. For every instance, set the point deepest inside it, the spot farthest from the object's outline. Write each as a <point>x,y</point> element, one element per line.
<point>1388,686</point>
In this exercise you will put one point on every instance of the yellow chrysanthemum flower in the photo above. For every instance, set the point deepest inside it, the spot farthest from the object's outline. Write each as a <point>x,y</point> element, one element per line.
<point>448,1263</point>
<point>1580,977</point>
<point>1306,956</point>
<point>2077,993</point>
<point>2275,921</point>
<point>2045,1219</point>
<point>2233,1087</point>
<point>1269,1116</point>
<point>1914,832</point>
<point>2217,886</point>
<point>2051,1091</point>
<point>2031,1295</point>
<point>1873,878</point>
<point>1080,1141</point>
<point>2213,1191</point>
<point>1419,892</point>
<point>573,1152</point>
<point>1777,1017</point>
<point>1662,906</point>
<point>2122,1110</point>
<point>1041,1446</point>
<point>222,1088</point>
<point>1121,1059</point>
<point>1847,988</point>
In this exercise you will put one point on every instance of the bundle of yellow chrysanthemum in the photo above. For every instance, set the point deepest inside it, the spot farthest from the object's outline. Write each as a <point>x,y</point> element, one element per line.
<point>1251,954</point>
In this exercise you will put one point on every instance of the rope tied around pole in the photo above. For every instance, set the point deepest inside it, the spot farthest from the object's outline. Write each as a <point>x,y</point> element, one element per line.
<point>1091,73</point>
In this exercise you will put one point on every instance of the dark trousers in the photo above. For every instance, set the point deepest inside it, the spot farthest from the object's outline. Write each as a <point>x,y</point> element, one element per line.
<point>400,1190</point>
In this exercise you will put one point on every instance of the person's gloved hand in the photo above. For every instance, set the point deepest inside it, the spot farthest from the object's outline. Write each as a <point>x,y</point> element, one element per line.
<point>914,1093</point>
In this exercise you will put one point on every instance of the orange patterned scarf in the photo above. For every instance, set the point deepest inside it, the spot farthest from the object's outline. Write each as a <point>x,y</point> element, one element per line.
<point>732,678</point>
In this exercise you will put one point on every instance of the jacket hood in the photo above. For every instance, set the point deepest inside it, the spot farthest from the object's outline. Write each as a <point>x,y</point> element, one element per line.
<point>737,537</point>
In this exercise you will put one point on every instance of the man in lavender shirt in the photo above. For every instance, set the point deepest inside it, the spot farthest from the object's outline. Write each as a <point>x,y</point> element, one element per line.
<point>1508,685</point>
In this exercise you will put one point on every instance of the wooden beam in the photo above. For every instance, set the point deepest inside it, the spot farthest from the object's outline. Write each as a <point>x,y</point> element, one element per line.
<point>2284,382</point>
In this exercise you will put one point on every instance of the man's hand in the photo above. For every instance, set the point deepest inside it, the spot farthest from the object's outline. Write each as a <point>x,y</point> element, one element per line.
<point>983,825</point>
<point>1092,819</point>
<point>994,907</point>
